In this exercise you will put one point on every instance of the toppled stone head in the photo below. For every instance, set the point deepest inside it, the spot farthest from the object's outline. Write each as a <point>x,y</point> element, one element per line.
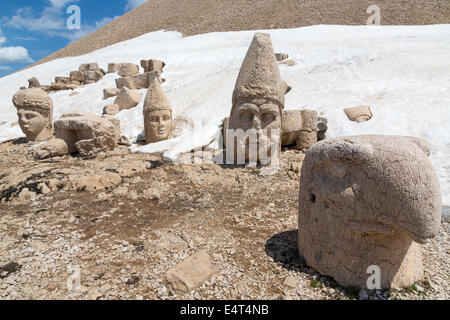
<point>258,99</point>
<point>157,114</point>
<point>35,112</point>
<point>368,201</point>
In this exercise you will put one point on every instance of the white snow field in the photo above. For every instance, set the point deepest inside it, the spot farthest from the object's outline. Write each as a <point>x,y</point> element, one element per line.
<point>401,72</point>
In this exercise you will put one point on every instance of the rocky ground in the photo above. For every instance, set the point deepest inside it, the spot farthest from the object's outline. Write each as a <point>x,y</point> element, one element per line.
<point>125,220</point>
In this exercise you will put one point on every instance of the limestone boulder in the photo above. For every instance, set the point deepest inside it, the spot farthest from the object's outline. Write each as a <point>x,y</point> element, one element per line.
<point>111,109</point>
<point>33,83</point>
<point>191,273</point>
<point>92,76</point>
<point>110,92</point>
<point>153,65</point>
<point>51,148</point>
<point>359,114</point>
<point>114,67</point>
<point>128,70</point>
<point>59,86</point>
<point>65,80</point>
<point>291,126</point>
<point>88,134</point>
<point>127,98</point>
<point>307,136</point>
<point>76,76</point>
<point>367,203</point>
<point>281,56</point>
<point>89,67</point>
<point>140,81</point>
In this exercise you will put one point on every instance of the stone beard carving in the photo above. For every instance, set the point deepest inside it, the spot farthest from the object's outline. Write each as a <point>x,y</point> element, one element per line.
<point>258,101</point>
<point>158,122</point>
<point>368,201</point>
<point>35,112</point>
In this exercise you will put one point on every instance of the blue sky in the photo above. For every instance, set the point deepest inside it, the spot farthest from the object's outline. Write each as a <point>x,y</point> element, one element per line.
<point>33,29</point>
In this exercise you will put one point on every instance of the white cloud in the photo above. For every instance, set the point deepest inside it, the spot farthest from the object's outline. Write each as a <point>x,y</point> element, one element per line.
<point>5,68</point>
<point>12,54</point>
<point>131,4</point>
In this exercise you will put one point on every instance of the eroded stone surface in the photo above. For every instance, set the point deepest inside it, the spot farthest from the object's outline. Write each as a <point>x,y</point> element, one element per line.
<point>51,148</point>
<point>364,200</point>
<point>359,114</point>
<point>128,69</point>
<point>191,273</point>
<point>127,98</point>
<point>88,134</point>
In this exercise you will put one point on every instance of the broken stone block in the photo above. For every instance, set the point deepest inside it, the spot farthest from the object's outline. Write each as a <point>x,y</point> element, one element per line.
<point>128,70</point>
<point>111,92</point>
<point>59,86</point>
<point>368,201</point>
<point>92,76</point>
<point>153,65</point>
<point>51,148</point>
<point>64,80</point>
<point>307,136</point>
<point>76,76</point>
<point>127,98</point>
<point>89,67</point>
<point>281,56</point>
<point>33,83</point>
<point>87,134</point>
<point>111,109</point>
<point>289,62</point>
<point>291,126</point>
<point>359,114</point>
<point>114,67</point>
<point>191,273</point>
<point>322,128</point>
<point>140,81</point>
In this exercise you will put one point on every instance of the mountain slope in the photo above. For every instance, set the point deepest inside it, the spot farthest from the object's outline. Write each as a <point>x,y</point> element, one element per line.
<point>202,16</point>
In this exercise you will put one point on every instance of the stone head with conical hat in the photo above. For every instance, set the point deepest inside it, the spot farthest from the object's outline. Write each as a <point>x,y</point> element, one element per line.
<point>157,113</point>
<point>258,96</point>
<point>35,112</point>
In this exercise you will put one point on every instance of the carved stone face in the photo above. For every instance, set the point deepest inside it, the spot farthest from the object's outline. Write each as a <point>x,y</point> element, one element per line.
<point>258,118</point>
<point>34,124</point>
<point>158,126</point>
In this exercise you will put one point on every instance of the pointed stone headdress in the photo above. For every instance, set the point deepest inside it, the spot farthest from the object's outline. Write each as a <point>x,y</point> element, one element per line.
<point>259,76</point>
<point>156,99</point>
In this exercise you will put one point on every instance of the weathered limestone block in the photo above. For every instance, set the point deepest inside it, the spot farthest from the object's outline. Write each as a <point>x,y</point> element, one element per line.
<point>307,136</point>
<point>289,63</point>
<point>158,122</point>
<point>127,98</point>
<point>291,126</point>
<point>153,65</point>
<point>365,201</point>
<point>87,134</point>
<point>33,83</point>
<point>110,92</point>
<point>111,109</point>
<point>35,112</point>
<point>64,80</point>
<point>76,76</point>
<point>59,86</point>
<point>191,273</point>
<point>89,67</point>
<point>322,128</point>
<point>359,114</point>
<point>258,103</point>
<point>92,76</point>
<point>128,70</point>
<point>281,56</point>
<point>114,67</point>
<point>51,148</point>
<point>140,81</point>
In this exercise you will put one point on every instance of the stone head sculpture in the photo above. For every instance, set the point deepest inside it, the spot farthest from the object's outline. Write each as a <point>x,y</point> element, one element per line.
<point>157,114</point>
<point>35,112</point>
<point>367,202</point>
<point>258,96</point>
